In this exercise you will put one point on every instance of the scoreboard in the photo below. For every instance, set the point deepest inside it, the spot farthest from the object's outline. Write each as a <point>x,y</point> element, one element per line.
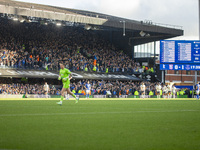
<point>179,55</point>
<point>179,67</point>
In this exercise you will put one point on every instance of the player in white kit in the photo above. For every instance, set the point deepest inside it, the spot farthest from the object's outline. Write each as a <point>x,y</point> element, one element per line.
<point>46,89</point>
<point>142,88</point>
<point>158,89</point>
<point>174,91</point>
<point>169,88</point>
<point>165,91</point>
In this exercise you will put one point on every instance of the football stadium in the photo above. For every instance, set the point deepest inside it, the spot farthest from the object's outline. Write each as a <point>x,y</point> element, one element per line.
<point>80,80</point>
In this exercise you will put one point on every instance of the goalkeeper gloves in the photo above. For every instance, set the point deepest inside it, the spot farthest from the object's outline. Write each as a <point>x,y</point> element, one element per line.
<point>65,79</point>
<point>59,78</point>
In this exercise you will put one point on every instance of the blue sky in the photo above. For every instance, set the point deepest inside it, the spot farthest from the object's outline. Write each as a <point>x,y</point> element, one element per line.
<point>175,12</point>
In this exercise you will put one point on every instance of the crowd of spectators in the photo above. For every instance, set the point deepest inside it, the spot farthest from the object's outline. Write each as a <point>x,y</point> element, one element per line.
<point>101,87</point>
<point>37,46</point>
<point>16,89</point>
<point>98,87</point>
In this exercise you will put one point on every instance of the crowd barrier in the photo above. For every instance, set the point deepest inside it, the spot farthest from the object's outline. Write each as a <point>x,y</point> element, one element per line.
<point>83,96</point>
<point>10,96</point>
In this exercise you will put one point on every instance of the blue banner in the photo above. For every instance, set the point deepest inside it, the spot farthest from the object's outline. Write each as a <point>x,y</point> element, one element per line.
<point>179,67</point>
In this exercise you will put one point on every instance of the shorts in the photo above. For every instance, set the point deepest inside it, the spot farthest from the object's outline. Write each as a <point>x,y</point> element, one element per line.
<point>87,91</point>
<point>165,92</point>
<point>66,84</point>
<point>46,91</point>
<point>158,92</point>
<point>169,91</point>
<point>143,92</point>
<point>197,92</point>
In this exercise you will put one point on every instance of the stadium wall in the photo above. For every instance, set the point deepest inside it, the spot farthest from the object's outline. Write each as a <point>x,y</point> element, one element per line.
<point>181,76</point>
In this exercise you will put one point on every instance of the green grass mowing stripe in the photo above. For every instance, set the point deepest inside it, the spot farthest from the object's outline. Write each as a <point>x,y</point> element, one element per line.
<point>95,113</point>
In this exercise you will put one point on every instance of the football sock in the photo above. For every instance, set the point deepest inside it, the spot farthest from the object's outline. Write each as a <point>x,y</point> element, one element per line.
<point>61,99</point>
<point>74,95</point>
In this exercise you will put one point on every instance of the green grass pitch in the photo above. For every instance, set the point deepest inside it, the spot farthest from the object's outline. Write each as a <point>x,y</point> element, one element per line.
<point>100,125</point>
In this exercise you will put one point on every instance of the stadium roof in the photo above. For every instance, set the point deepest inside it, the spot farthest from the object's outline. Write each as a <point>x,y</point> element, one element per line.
<point>140,31</point>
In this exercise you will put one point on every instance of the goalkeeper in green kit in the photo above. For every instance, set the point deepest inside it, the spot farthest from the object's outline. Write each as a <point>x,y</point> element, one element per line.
<point>65,76</point>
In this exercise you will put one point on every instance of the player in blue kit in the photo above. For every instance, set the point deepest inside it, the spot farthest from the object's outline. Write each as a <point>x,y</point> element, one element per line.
<point>88,87</point>
<point>197,90</point>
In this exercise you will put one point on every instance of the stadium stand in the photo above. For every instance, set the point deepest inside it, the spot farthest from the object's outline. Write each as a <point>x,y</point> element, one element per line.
<point>36,46</point>
<point>42,47</point>
<point>88,43</point>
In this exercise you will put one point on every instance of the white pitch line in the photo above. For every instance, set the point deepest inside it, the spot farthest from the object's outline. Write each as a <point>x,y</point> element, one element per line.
<point>93,113</point>
<point>8,149</point>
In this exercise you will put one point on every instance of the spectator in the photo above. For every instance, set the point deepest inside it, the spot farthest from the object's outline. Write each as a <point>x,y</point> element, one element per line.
<point>33,46</point>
